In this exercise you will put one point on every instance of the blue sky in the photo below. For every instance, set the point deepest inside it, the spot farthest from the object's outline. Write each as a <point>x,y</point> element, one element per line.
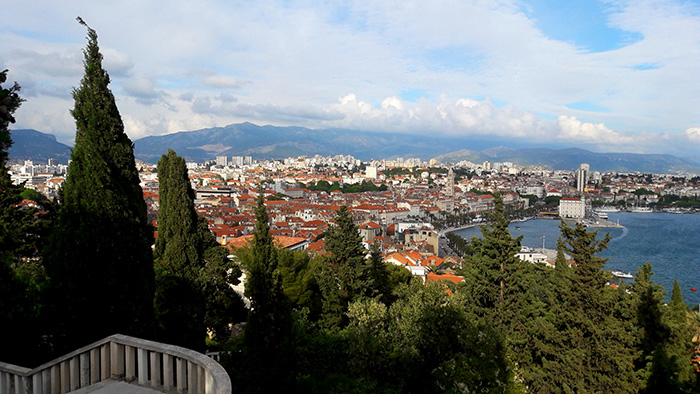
<point>604,75</point>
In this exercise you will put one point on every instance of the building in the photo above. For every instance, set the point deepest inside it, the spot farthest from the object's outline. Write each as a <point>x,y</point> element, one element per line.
<point>582,176</point>
<point>572,208</point>
<point>450,183</point>
<point>222,161</point>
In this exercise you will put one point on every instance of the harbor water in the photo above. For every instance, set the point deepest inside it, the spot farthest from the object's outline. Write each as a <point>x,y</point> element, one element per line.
<point>670,242</point>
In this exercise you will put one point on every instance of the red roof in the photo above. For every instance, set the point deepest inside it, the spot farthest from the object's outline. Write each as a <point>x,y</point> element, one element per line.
<point>433,277</point>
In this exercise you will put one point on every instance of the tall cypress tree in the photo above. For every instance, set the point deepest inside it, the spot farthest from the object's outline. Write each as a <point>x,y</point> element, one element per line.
<point>100,260</point>
<point>268,335</point>
<point>178,253</point>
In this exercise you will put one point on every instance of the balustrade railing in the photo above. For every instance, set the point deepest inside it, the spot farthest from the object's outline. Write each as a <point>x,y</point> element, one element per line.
<point>159,366</point>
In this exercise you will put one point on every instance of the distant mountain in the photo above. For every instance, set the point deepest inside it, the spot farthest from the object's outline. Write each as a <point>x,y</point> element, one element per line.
<point>265,142</point>
<point>29,144</point>
<point>570,159</point>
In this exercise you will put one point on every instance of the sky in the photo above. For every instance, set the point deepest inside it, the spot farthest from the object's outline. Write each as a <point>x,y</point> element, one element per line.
<point>609,76</point>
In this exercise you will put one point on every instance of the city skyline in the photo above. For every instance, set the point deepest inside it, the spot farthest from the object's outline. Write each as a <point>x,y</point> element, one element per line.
<point>607,76</point>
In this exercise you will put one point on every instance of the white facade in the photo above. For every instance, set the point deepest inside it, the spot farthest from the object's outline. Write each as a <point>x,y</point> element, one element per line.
<point>573,208</point>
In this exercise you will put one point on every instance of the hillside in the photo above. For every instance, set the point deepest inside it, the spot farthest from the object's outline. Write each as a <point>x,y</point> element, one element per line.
<point>571,158</point>
<point>266,142</point>
<point>29,144</point>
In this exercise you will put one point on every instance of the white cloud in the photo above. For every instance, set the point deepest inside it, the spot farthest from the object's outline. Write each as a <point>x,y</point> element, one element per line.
<point>573,129</point>
<point>483,68</point>
<point>221,81</point>
<point>693,134</point>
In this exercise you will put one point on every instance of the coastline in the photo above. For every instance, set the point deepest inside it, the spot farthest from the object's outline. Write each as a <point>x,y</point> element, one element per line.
<point>453,229</point>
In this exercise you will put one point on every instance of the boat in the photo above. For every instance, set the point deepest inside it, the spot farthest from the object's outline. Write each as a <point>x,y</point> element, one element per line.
<point>622,274</point>
<point>641,210</point>
<point>607,209</point>
<point>601,215</point>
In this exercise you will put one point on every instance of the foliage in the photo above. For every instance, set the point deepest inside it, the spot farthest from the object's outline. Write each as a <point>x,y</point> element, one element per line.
<point>268,334</point>
<point>100,256</point>
<point>460,245</point>
<point>346,276</point>
<point>193,295</point>
<point>491,267</point>
<point>364,186</point>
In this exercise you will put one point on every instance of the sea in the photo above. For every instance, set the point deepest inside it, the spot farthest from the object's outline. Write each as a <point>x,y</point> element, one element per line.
<point>670,242</point>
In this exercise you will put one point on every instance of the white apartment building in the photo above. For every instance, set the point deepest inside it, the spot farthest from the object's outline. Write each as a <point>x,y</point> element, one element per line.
<point>572,208</point>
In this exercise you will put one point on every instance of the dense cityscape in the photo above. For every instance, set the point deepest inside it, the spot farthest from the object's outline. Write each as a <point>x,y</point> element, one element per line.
<point>316,274</point>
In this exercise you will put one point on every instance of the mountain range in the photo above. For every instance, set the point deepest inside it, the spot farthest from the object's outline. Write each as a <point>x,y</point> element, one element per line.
<point>268,142</point>
<point>29,144</point>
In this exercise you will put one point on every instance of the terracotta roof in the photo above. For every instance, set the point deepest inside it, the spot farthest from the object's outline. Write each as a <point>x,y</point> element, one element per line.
<point>433,277</point>
<point>280,241</point>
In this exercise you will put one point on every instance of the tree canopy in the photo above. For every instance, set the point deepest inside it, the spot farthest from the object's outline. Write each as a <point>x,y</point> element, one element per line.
<point>100,256</point>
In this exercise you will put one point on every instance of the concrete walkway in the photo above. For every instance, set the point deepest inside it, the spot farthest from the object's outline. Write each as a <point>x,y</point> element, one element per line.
<point>115,387</point>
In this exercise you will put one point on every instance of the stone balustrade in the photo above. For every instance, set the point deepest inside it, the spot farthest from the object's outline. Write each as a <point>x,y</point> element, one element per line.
<point>159,366</point>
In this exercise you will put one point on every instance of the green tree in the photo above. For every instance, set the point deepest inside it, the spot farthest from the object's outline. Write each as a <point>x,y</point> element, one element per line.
<point>346,276</point>
<point>22,236</point>
<point>600,344</point>
<point>100,260</point>
<point>178,254</point>
<point>493,264</point>
<point>193,273</point>
<point>268,335</point>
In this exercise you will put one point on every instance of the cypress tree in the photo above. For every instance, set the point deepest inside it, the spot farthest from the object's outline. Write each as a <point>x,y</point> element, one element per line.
<point>100,260</point>
<point>679,346</point>
<point>179,301</point>
<point>268,333</point>
<point>193,295</point>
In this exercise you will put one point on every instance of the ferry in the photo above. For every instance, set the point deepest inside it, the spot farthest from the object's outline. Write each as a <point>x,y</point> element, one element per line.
<point>641,210</point>
<point>622,274</point>
<point>607,209</point>
<point>601,215</point>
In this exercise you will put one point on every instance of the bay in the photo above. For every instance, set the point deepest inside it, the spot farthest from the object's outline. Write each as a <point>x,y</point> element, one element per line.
<point>670,242</point>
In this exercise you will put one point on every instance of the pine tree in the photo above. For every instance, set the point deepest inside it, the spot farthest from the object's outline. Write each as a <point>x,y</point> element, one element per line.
<point>599,343</point>
<point>493,263</point>
<point>100,259</point>
<point>346,277</point>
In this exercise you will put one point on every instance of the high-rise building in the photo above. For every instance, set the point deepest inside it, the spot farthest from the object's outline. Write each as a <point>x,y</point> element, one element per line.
<point>222,161</point>
<point>582,176</point>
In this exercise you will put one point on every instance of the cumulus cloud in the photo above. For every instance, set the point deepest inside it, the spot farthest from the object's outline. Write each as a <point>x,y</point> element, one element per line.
<point>143,89</point>
<point>693,134</point>
<point>227,106</point>
<point>53,64</point>
<point>573,129</point>
<point>460,117</point>
<point>116,63</point>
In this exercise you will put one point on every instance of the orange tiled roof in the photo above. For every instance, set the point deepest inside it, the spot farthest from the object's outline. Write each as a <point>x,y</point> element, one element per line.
<point>433,277</point>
